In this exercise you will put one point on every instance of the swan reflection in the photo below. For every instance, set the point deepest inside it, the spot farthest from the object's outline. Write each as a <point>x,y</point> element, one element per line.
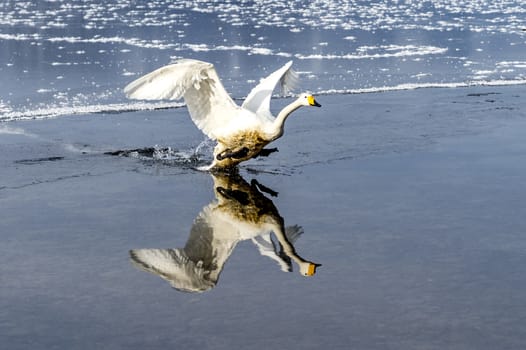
<point>240,211</point>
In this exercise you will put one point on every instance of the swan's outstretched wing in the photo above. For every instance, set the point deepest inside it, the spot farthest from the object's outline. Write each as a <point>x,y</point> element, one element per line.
<point>174,266</point>
<point>258,100</point>
<point>197,82</point>
<point>196,267</point>
<point>267,247</point>
<point>293,233</point>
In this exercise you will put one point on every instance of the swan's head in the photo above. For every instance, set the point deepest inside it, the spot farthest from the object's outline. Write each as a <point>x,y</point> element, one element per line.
<point>308,100</point>
<point>308,268</point>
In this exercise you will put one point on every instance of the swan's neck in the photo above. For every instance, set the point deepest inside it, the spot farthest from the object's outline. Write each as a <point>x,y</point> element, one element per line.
<point>288,248</point>
<point>279,122</point>
<point>306,268</point>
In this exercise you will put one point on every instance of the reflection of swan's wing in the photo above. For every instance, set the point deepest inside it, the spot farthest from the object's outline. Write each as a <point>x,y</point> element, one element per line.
<point>174,266</point>
<point>258,100</point>
<point>267,247</point>
<point>197,267</point>
<point>293,233</point>
<point>209,104</point>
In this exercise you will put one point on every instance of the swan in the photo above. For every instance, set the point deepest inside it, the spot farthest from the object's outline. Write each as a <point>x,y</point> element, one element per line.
<point>239,212</point>
<point>241,132</point>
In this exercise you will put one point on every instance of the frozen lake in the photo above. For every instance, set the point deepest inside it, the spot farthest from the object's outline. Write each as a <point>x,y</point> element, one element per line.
<point>407,185</point>
<point>65,57</point>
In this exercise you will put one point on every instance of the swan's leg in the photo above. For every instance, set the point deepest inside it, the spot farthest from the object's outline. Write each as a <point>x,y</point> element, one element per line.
<point>145,152</point>
<point>237,195</point>
<point>236,154</point>
<point>262,188</point>
<point>265,152</point>
<point>206,167</point>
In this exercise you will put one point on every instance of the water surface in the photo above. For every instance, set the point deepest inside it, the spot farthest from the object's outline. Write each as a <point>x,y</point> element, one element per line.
<point>411,199</point>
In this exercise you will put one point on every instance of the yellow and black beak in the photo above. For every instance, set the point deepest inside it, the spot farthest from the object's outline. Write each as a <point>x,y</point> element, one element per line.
<point>313,102</point>
<point>312,266</point>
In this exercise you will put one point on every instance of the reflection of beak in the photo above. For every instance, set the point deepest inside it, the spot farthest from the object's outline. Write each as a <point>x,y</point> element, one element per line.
<point>312,269</point>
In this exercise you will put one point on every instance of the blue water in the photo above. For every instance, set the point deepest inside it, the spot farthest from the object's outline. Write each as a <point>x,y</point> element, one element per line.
<point>70,57</point>
<point>411,197</point>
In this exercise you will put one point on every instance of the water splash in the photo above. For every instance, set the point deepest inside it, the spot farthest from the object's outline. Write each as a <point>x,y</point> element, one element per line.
<point>191,158</point>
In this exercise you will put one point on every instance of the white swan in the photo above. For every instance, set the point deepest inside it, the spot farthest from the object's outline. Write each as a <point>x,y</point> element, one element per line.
<point>240,212</point>
<point>241,131</point>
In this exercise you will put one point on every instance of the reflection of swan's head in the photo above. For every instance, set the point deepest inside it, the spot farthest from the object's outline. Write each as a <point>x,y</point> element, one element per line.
<point>308,268</point>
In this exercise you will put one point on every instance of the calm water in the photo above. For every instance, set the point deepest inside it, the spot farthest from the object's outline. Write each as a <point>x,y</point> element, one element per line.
<point>412,201</point>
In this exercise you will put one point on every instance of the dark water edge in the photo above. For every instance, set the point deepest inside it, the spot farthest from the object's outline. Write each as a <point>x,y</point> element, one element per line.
<point>411,200</point>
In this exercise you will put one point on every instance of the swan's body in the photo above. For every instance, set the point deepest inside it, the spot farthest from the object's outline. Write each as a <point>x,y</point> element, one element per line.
<point>242,131</point>
<point>241,212</point>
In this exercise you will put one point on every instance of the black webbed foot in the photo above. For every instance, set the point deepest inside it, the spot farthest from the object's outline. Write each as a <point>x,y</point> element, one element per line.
<point>243,152</point>
<point>262,188</point>
<point>144,152</point>
<point>240,196</point>
<point>265,152</point>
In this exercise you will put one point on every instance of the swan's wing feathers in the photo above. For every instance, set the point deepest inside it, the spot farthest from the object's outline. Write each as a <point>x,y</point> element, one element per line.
<point>174,266</point>
<point>268,248</point>
<point>168,82</point>
<point>258,100</point>
<point>289,81</point>
<point>210,106</point>
<point>293,232</point>
<point>163,262</point>
<point>197,82</point>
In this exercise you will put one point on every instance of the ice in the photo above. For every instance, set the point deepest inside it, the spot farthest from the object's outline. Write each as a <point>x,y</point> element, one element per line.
<point>53,112</point>
<point>415,86</point>
<point>368,52</point>
<point>75,57</point>
<point>5,129</point>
